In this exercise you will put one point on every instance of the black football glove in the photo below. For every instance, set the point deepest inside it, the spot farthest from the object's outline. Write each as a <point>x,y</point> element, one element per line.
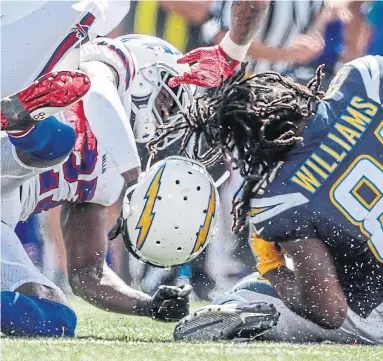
<point>170,303</point>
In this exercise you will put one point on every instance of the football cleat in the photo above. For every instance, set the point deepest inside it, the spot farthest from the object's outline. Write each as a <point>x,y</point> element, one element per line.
<point>227,322</point>
<point>44,97</point>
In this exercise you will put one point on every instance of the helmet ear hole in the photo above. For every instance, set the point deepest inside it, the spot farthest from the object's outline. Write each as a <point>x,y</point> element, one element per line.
<point>158,243</point>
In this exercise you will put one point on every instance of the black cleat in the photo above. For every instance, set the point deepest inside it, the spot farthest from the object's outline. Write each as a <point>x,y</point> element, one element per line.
<point>227,322</point>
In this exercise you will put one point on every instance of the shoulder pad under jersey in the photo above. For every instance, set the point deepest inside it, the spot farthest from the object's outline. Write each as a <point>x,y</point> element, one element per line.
<point>115,54</point>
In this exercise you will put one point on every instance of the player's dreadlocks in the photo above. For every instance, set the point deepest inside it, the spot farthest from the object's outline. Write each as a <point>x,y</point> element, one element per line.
<point>253,121</point>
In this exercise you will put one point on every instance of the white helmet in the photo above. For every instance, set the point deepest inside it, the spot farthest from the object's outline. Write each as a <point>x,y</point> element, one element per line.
<point>172,214</point>
<point>157,63</point>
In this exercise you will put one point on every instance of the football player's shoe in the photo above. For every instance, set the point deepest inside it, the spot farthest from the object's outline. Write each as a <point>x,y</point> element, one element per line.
<point>227,322</point>
<point>44,97</point>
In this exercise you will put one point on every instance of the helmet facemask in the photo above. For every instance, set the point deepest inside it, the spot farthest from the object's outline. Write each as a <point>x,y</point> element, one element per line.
<point>148,121</point>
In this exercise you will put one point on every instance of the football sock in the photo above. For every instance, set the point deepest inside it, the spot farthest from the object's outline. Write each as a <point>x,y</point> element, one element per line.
<point>47,140</point>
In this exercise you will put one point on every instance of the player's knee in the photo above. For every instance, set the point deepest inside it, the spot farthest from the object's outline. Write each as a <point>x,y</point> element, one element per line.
<point>49,140</point>
<point>229,298</point>
<point>33,316</point>
<point>256,284</point>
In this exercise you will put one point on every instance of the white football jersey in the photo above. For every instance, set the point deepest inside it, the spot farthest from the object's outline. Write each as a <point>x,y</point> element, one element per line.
<point>39,36</point>
<point>86,176</point>
<point>89,176</point>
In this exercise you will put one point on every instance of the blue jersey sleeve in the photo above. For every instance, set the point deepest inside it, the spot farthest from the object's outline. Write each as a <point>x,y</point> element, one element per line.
<point>282,213</point>
<point>297,204</point>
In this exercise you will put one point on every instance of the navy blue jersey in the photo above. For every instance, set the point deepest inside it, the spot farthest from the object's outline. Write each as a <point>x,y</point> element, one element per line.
<point>331,185</point>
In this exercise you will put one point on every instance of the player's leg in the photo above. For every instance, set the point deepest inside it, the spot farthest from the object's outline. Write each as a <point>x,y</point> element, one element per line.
<point>372,329</point>
<point>31,305</point>
<point>23,315</point>
<point>41,36</point>
<point>35,140</point>
<point>235,319</point>
<point>47,95</point>
<point>230,313</point>
<point>31,238</point>
<point>36,38</point>
<point>293,328</point>
<point>230,316</point>
<point>356,329</point>
<point>290,327</point>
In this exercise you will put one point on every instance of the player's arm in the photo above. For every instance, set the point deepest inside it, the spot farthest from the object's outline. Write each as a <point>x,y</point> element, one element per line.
<point>84,231</point>
<point>313,289</point>
<point>194,11</point>
<point>246,17</point>
<point>357,32</point>
<point>218,62</point>
<point>271,262</point>
<point>107,116</point>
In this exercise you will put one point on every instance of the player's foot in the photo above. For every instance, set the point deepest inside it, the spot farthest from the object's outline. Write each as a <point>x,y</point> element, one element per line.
<point>227,322</point>
<point>44,97</point>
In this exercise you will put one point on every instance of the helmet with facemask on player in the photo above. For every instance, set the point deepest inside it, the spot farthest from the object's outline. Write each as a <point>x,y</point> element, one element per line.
<point>157,63</point>
<point>144,64</point>
<point>171,214</point>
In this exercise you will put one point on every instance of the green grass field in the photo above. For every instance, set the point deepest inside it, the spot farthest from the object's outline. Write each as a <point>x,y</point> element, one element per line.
<point>105,336</point>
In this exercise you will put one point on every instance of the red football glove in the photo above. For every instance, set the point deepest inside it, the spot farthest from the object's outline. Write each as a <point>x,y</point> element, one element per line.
<point>211,67</point>
<point>84,135</point>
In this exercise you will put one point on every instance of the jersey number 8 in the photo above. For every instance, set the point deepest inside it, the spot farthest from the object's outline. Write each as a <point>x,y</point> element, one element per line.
<point>358,195</point>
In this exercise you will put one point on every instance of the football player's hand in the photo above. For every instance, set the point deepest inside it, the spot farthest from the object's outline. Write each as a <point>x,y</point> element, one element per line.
<point>305,48</point>
<point>269,257</point>
<point>84,135</point>
<point>212,65</point>
<point>170,303</point>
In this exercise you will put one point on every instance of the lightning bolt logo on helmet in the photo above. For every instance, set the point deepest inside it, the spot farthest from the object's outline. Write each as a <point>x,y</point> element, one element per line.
<point>204,229</point>
<point>147,214</point>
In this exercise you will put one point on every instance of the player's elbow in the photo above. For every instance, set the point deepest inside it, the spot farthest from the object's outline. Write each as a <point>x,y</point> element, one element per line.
<point>74,282</point>
<point>332,318</point>
<point>81,282</point>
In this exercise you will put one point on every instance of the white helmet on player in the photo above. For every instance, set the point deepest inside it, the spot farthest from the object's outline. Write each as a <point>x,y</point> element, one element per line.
<point>172,213</point>
<point>157,63</point>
